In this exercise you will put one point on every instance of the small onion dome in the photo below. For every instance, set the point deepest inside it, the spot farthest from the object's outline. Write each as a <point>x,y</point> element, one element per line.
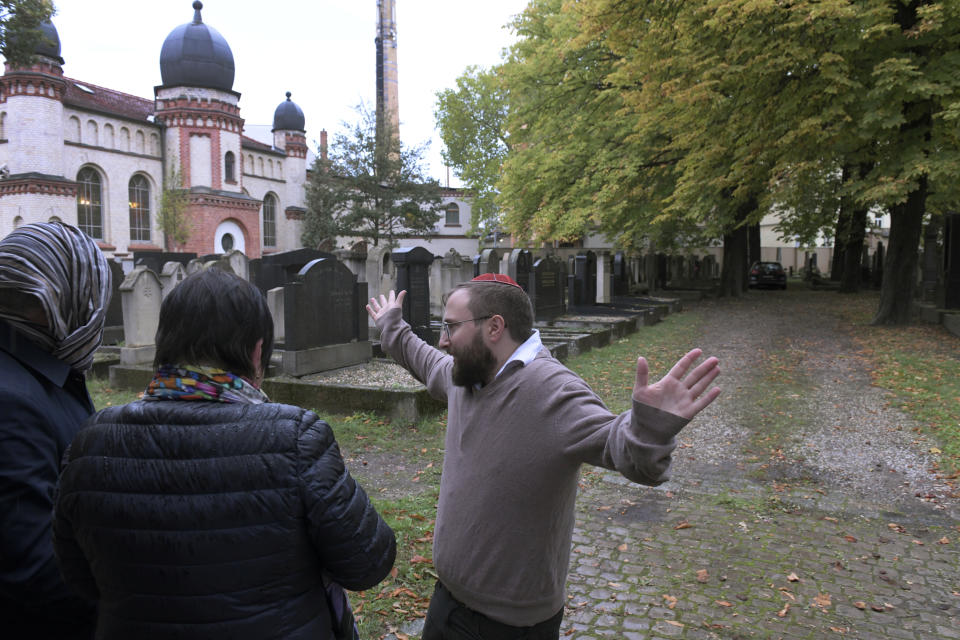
<point>288,116</point>
<point>195,55</point>
<point>49,44</point>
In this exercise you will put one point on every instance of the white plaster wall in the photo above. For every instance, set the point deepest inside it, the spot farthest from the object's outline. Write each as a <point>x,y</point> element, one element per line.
<point>33,126</point>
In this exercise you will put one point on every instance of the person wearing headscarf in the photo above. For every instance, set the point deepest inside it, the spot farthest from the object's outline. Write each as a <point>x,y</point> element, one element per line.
<point>54,293</point>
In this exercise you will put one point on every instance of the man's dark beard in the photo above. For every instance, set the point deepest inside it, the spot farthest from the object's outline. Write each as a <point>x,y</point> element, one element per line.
<point>474,364</point>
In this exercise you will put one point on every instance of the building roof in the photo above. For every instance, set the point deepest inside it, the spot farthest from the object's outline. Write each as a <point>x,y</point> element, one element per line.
<point>84,95</point>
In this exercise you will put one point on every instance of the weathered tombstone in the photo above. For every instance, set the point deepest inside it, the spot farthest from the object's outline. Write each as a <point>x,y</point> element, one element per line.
<point>324,319</point>
<point>520,265</point>
<point>275,304</point>
<point>547,281</point>
<point>476,265</point>
<point>219,262</point>
<point>239,263</point>
<point>951,261</point>
<point>379,272</point>
<point>489,261</point>
<point>355,259</point>
<point>172,274</point>
<point>194,265</point>
<point>413,276</point>
<point>141,294</point>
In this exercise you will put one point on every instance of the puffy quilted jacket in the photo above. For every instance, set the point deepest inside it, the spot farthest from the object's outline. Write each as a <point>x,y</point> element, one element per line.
<point>208,520</point>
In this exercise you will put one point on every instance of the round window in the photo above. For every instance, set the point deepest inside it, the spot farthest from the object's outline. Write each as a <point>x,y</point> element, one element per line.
<point>227,242</point>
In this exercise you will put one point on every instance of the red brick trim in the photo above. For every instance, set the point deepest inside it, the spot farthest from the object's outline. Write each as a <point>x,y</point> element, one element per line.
<point>15,186</point>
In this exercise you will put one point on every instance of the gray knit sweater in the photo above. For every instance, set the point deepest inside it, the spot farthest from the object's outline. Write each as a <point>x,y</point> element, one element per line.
<point>513,453</point>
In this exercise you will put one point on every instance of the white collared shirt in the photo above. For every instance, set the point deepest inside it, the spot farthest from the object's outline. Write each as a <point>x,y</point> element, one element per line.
<point>525,353</point>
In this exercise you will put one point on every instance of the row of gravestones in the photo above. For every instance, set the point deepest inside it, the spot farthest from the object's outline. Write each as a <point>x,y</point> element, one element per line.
<point>317,302</point>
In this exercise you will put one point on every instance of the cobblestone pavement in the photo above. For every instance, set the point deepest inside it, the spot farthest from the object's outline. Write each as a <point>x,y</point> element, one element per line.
<point>800,504</point>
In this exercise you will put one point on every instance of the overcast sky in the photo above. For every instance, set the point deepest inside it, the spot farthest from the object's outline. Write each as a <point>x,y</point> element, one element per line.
<point>322,51</point>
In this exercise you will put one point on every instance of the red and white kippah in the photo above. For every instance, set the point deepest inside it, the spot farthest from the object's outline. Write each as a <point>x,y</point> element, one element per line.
<point>496,277</point>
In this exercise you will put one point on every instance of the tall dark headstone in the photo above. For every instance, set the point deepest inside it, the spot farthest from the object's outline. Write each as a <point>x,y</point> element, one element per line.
<point>521,263</point>
<point>878,257</point>
<point>951,261</point>
<point>489,261</point>
<point>621,274</point>
<point>584,289</point>
<point>413,276</point>
<point>324,306</point>
<point>547,283</point>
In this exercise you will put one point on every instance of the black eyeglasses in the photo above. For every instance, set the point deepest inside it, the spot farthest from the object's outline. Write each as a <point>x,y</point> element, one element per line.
<point>445,326</point>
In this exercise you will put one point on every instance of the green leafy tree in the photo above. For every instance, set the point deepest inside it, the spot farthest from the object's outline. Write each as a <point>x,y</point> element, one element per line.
<point>371,187</point>
<point>472,121</point>
<point>172,215</point>
<point>19,32</point>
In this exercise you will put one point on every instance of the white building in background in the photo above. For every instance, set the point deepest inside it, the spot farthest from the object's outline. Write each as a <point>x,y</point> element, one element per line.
<point>99,158</point>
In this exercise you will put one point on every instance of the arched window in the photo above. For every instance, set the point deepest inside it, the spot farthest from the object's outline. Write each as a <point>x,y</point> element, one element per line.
<point>228,168</point>
<point>90,203</point>
<point>93,136</point>
<point>108,136</point>
<point>453,214</point>
<point>139,190</point>
<point>270,220</point>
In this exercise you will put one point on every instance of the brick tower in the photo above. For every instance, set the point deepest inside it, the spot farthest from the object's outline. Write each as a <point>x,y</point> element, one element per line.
<point>200,113</point>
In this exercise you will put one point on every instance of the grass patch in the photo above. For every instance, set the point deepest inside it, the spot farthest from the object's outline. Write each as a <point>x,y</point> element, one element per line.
<point>103,395</point>
<point>919,365</point>
<point>611,371</point>
<point>405,594</point>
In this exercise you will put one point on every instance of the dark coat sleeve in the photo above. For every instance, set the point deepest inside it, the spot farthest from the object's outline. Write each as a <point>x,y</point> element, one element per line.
<point>356,547</point>
<point>33,428</point>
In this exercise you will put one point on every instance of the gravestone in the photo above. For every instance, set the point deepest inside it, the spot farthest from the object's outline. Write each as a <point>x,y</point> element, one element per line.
<point>489,262</point>
<point>583,280</point>
<point>113,325</point>
<point>951,261</point>
<point>520,265</point>
<point>141,294</point>
<point>413,276</point>
<point>239,263</point>
<point>172,274</point>
<point>194,265</point>
<point>154,260</point>
<point>621,275</point>
<point>324,319</point>
<point>547,280</point>
<point>277,269</point>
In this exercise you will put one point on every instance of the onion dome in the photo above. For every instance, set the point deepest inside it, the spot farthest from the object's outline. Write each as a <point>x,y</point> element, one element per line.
<point>288,116</point>
<point>195,55</point>
<point>49,44</point>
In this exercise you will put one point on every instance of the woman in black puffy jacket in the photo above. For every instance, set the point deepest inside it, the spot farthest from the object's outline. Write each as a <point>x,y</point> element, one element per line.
<point>204,510</point>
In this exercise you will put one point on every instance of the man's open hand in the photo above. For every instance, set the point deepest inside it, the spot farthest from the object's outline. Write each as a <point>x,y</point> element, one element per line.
<point>674,393</point>
<point>379,306</point>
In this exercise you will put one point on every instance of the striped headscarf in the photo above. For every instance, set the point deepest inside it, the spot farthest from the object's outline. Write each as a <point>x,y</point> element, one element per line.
<point>65,270</point>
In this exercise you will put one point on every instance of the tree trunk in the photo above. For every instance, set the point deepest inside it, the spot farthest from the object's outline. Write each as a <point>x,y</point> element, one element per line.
<point>900,264</point>
<point>733,277</point>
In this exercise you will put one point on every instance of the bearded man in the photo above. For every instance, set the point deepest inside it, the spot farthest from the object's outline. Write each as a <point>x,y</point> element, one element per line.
<point>519,426</point>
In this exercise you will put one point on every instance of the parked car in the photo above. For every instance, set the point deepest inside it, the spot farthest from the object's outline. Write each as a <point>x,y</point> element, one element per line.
<point>767,274</point>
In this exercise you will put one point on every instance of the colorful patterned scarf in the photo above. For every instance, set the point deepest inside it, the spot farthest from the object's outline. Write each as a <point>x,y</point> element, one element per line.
<point>62,268</point>
<point>173,382</point>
